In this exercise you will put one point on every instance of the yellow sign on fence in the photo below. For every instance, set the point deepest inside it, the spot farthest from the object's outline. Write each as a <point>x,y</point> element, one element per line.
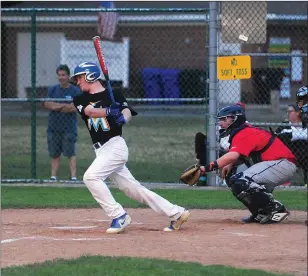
<point>233,67</point>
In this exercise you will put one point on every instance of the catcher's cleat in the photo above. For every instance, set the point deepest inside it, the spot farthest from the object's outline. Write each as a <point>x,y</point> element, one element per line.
<point>275,218</point>
<point>175,225</point>
<point>250,219</point>
<point>278,214</point>
<point>254,218</point>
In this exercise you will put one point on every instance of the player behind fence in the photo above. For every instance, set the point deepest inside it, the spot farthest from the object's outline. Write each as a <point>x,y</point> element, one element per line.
<point>302,103</point>
<point>295,137</point>
<point>62,123</point>
<point>104,121</point>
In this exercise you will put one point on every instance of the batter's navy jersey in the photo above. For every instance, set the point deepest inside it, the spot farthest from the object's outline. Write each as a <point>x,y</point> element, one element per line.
<point>101,129</point>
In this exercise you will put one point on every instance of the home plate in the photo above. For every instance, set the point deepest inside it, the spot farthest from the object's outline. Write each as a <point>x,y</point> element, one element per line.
<point>72,227</point>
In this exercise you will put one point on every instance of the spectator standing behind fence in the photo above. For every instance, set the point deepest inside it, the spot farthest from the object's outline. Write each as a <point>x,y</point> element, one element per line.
<point>62,123</point>
<point>295,136</point>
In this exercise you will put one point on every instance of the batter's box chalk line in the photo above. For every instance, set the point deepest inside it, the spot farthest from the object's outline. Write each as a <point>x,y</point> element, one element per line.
<point>245,234</point>
<point>106,220</point>
<point>45,238</point>
<point>72,227</point>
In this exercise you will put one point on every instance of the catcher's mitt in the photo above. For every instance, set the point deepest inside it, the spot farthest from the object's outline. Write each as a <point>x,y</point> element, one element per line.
<point>191,175</point>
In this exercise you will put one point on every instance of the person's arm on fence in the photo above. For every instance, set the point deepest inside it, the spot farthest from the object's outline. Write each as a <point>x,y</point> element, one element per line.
<point>53,106</point>
<point>68,108</point>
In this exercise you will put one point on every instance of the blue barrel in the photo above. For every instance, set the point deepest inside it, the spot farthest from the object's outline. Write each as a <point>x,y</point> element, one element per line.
<point>171,84</point>
<point>152,84</point>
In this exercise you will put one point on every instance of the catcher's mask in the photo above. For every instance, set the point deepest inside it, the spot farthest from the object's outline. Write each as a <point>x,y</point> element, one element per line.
<point>236,112</point>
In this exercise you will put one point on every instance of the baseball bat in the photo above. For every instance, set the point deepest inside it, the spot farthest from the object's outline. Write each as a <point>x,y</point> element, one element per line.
<point>101,60</point>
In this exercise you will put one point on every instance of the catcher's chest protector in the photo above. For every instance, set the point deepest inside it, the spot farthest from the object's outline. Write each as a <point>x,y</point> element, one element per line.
<point>255,156</point>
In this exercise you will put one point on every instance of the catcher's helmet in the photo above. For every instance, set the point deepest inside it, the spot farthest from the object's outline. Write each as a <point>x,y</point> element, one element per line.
<point>90,69</point>
<point>237,112</point>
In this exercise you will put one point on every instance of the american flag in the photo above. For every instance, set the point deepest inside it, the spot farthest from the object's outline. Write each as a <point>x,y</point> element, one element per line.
<point>107,21</point>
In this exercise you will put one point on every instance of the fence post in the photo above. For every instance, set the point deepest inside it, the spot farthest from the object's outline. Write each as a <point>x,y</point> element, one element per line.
<point>33,94</point>
<point>212,87</point>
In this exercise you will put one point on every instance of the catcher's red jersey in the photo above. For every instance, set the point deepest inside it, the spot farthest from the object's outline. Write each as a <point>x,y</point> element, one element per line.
<point>251,139</point>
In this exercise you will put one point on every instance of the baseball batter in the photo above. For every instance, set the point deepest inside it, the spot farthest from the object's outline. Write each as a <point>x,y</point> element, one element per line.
<point>104,121</point>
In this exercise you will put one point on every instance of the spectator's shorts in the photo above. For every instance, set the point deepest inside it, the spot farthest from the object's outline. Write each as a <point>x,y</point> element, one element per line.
<point>59,142</point>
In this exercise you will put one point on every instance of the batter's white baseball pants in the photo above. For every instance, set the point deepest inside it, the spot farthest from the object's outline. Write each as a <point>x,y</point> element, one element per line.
<point>110,162</point>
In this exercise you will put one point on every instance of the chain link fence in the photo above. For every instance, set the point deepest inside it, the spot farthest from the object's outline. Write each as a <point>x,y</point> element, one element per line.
<point>161,61</point>
<point>157,59</point>
<point>277,46</point>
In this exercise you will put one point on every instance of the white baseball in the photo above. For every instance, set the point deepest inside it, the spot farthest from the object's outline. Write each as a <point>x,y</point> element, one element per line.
<point>243,37</point>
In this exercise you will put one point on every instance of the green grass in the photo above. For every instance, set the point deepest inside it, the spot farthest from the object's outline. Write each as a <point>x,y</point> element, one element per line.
<point>160,148</point>
<point>154,143</point>
<point>55,197</point>
<point>126,266</point>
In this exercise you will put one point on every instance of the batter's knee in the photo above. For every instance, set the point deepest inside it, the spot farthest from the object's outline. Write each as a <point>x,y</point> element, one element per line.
<point>88,177</point>
<point>91,176</point>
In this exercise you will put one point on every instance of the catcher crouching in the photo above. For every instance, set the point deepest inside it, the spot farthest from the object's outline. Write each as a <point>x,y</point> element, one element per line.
<point>270,163</point>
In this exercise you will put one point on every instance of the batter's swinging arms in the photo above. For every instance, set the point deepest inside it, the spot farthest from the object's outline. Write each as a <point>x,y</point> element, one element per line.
<point>104,121</point>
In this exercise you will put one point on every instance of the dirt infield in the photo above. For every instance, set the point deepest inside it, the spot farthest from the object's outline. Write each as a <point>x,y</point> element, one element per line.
<point>209,237</point>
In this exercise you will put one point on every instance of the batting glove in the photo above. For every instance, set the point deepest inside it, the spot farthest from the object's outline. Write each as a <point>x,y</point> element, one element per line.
<point>113,110</point>
<point>120,120</point>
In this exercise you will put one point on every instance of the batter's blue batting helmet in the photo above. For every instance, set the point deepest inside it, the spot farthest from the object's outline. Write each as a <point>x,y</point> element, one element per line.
<point>90,69</point>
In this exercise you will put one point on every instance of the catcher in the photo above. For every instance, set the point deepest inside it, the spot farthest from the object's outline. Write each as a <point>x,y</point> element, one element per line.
<point>270,163</point>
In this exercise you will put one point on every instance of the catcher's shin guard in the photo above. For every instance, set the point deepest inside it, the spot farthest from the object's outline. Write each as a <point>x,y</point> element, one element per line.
<point>229,175</point>
<point>252,195</point>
